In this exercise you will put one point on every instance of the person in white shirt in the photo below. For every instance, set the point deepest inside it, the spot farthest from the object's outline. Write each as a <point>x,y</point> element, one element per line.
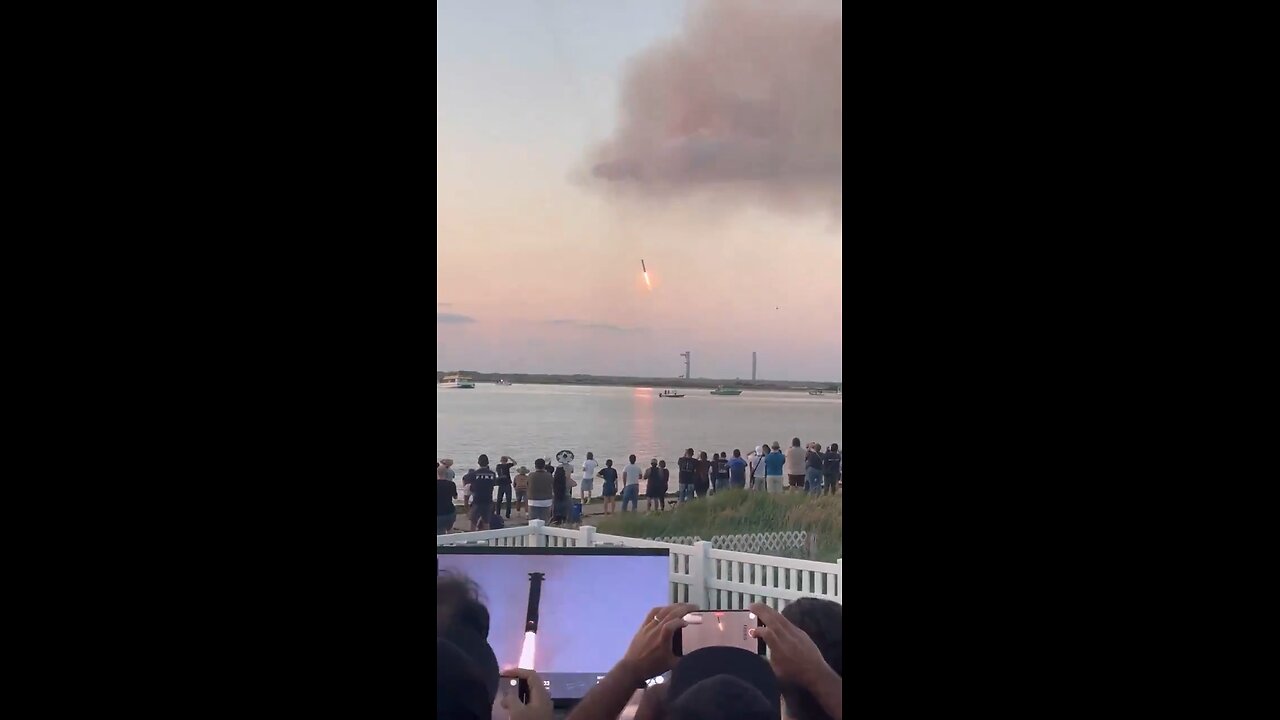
<point>588,474</point>
<point>755,468</point>
<point>631,484</point>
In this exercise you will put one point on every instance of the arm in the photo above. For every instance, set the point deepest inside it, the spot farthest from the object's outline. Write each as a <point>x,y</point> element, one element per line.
<point>608,698</point>
<point>649,656</point>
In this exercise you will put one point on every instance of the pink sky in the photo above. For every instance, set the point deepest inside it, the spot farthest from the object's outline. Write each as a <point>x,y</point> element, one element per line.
<point>537,273</point>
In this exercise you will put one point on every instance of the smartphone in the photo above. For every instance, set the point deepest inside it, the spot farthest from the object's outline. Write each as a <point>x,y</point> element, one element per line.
<point>717,627</point>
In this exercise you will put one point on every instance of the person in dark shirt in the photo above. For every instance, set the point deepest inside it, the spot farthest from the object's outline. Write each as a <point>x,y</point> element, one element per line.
<point>504,481</point>
<point>666,483</point>
<point>737,470</point>
<point>446,491</point>
<point>688,475</point>
<point>560,496</point>
<point>610,490</point>
<point>704,475</point>
<point>721,478</point>
<point>813,460</point>
<point>481,480</point>
<point>831,469</point>
<point>653,476</point>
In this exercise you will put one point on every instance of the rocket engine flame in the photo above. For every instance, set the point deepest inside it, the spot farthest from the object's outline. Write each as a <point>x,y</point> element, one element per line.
<point>646,280</point>
<point>526,652</point>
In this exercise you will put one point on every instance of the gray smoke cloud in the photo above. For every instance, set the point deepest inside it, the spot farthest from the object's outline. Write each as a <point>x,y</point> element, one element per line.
<point>746,103</point>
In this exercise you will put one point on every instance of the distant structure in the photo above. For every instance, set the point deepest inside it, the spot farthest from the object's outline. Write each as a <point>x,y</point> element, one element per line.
<point>687,355</point>
<point>753,366</point>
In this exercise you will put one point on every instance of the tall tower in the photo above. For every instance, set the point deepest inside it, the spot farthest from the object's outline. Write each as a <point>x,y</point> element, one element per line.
<point>753,366</point>
<point>687,355</point>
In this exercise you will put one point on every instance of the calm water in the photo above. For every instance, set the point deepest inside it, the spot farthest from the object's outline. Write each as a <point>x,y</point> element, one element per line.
<point>530,421</point>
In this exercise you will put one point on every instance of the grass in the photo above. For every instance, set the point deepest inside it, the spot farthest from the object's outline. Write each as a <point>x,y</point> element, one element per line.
<point>737,512</point>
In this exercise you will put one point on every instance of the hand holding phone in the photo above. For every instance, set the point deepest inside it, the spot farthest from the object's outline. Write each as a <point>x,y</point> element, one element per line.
<point>532,699</point>
<point>718,628</point>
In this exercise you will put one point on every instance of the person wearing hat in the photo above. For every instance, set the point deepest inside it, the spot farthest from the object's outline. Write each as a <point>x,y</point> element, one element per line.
<point>654,477</point>
<point>716,683</point>
<point>521,483</point>
<point>446,493</point>
<point>503,469</point>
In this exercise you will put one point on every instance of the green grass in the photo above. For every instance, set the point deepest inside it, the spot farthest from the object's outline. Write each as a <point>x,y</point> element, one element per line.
<point>737,512</point>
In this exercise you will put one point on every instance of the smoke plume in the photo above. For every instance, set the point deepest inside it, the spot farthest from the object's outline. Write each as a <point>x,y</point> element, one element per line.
<point>746,103</point>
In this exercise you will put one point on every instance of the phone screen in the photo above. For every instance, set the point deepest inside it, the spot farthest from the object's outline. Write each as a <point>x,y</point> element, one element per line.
<point>717,628</point>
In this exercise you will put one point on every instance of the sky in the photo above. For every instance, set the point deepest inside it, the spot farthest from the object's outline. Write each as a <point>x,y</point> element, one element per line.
<point>538,259</point>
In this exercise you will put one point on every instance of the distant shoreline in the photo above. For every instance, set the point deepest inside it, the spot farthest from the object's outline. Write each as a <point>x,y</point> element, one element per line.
<point>662,383</point>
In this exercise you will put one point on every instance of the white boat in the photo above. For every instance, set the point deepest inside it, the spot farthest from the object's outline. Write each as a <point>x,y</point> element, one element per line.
<point>507,383</point>
<point>457,381</point>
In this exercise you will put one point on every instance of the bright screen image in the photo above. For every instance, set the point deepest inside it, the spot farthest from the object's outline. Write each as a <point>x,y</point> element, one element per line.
<point>708,629</point>
<point>570,612</point>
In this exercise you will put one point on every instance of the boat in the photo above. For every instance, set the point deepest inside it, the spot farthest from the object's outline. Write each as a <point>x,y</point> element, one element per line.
<point>815,392</point>
<point>506,383</point>
<point>457,381</point>
<point>722,390</point>
<point>669,393</point>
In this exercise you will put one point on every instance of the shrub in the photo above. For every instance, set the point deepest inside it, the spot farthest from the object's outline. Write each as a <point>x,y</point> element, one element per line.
<point>737,512</point>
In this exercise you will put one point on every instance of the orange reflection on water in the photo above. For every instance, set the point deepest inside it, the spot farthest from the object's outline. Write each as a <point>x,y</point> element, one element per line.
<point>642,441</point>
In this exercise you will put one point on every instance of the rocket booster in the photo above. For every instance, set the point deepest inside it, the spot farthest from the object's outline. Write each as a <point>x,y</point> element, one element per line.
<point>642,267</point>
<point>535,596</point>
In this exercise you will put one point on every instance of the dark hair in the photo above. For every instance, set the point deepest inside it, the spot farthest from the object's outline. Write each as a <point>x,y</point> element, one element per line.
<point>688,453</point>
<point>823,621</point>
<point>458,603</point>
<point>608,463</point>
<point>662,463</point>
<point>737,452</point>
<point>590,456</point>
<point>483,460</point>
<point>653,461</point>
<point>632,458</point>
<point>795,442</point>
<point>835,447</point>
<point>702,455</point>
<point>539,464</point>
<point>722,697</point>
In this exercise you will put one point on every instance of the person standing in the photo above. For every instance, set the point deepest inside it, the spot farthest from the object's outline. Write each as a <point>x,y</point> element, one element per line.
<point>631,485</point>
<point>560,496</point>
<point>522,490</point>
<point>609,491</point>
<point>653,478</point>
<point>503,469</point>
<point>482,481</point>
<point>446,493</point>
<point>588,477</point>
<point>813,469</point>
<point>541,492</point>
<point>774,463</point>
<point>795,465</point>
<point>449,474</point>
<point>757,467</point>
<point>703,482</point>
<point>737,470</point>
<point>721,479</point>
<point>666,484</point>
<point>688,468</point>
<point>831,469</point>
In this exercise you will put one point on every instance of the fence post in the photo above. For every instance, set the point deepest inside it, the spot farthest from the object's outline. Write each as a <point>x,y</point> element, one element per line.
<point>840,580</point>
<point>535,530</point>
<point>700,574</point>
<point>587,537</point>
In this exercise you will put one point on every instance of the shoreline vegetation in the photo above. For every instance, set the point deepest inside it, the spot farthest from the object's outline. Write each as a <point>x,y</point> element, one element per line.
<point>644,382</point>
<point>740,512</point>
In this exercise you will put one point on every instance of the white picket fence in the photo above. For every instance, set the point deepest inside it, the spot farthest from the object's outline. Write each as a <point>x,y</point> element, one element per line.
<point>710,578</point>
